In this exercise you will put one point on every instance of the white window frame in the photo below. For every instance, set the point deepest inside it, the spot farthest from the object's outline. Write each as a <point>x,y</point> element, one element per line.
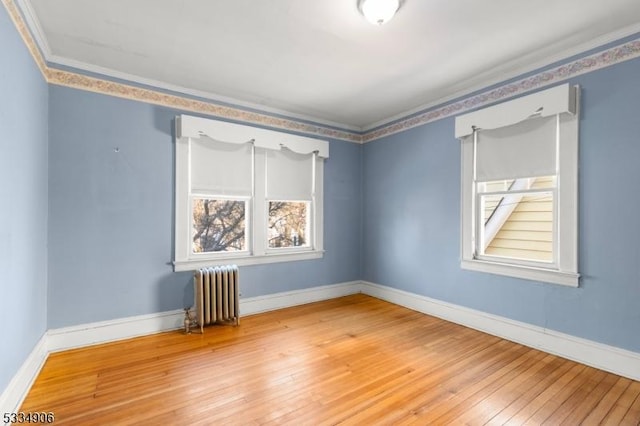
<point>310,227</point>
<point>189,128</point>
<point>562,101</point>
<point>516,261</point>
<point>247,221</point>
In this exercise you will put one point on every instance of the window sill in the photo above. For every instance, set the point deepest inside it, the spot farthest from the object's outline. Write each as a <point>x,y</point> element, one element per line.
<point>190,265</point>
<point>525,272</point>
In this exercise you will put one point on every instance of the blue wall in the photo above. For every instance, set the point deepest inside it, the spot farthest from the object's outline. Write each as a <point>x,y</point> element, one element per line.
<point>23,194</point>
<point>411,238</point>
<point>111,214</point>
<point>86,231</point>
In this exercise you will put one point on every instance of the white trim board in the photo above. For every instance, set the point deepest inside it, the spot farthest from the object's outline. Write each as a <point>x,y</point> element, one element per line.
<point>504,72</point>
<point>508,71</point>
<point>125,328</point>
<point>598,355</point>
<point>18,387</point>
<point>83,335</point>
<point>39,35</point>
<point>78,336</point>
<point>82,68</point>
<point>271,302</point>
<point>608,358</point>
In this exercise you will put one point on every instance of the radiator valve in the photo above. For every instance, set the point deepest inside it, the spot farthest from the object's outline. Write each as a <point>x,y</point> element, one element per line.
<point>189,321</point>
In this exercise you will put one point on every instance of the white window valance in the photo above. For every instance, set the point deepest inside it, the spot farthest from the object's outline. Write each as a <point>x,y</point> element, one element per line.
<point>547,103</point>
<point>232,133</point>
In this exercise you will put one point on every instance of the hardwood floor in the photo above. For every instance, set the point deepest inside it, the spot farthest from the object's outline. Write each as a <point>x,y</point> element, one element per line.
<point>353,360</point>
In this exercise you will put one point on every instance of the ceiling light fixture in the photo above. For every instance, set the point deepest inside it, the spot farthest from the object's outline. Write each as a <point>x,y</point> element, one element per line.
<point>379,12</point>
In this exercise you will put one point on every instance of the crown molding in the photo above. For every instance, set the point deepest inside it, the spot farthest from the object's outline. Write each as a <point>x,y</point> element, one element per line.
<point>33,23</point>
<point>16,17</point>
<point>83,67</point>
<point>605,58</point>
<point>32,33</point>
<point>38,34</point>
<point>35,27</point>
<point>107,87</point>
<point>508,71</point>
<point>112,88</point>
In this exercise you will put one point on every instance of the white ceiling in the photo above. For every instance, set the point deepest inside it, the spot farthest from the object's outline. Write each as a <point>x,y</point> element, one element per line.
<point>321,59</point>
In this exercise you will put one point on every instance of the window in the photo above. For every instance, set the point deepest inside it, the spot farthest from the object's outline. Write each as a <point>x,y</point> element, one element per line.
<point>218,225</point>
<point>246,195</point>
<point>516,219</point>
<point>519,187</point>
<point>288,224</point>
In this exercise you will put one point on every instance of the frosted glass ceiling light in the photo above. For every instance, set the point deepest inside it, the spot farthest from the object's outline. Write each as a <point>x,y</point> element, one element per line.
<point>379,12</point>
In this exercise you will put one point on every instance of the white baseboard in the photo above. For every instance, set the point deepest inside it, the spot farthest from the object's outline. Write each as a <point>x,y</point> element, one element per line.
<point>77,336</point>
<point>15,392</point>
<point>60,339</point>
<point>609,358</point>
<point>270,302</point>
<point>124,328</point>
<point>598,355</point>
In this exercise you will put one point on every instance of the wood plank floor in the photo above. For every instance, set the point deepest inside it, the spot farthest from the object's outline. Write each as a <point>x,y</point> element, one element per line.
<point>354,360</point>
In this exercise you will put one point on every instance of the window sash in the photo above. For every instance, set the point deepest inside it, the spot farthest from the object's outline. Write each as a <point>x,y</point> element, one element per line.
<point>480,237</point>
<point>257,231</point>
<point>515,148</point>
<point>247,226</point>
<point>309,226</point>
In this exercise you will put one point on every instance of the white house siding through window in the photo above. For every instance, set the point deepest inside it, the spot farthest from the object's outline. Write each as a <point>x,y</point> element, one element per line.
<point>519,186</point>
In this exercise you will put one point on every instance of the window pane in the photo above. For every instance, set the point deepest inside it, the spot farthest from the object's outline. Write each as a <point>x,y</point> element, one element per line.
<point>496,185</point>
<point>288,224</point>
<point>517,225</point>
<point>510,185</point>
<point>218,225</point>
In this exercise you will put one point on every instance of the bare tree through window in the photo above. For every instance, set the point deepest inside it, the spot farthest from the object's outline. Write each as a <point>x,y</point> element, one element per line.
<point>288,224</point>
<point>218,225</point>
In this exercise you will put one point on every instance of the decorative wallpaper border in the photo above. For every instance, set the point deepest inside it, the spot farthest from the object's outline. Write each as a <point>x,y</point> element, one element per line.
<point>111,88</point>
<point>79,81</point>
<point>605,58</point>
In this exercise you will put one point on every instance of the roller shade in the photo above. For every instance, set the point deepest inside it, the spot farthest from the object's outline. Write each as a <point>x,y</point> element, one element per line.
<point>524,149</point>
<point>221,168</point>
<point>289,175</point>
